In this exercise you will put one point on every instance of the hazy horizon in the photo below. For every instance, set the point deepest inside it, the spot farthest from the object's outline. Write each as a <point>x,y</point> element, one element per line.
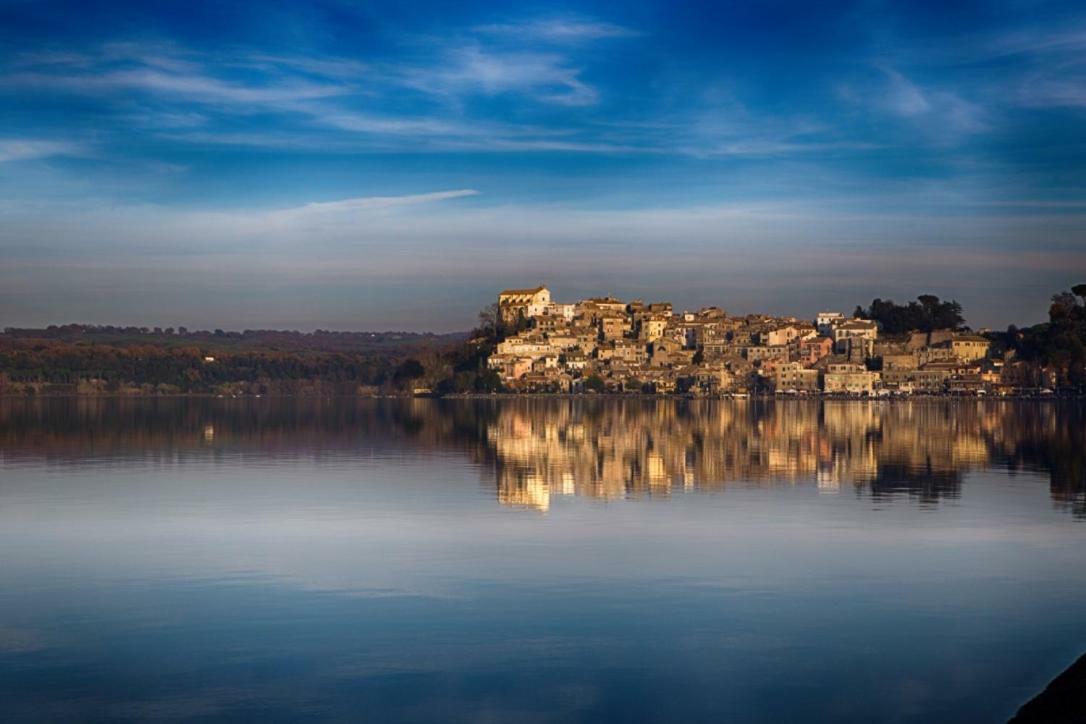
<point>418,326</point>
<point>361,166</point>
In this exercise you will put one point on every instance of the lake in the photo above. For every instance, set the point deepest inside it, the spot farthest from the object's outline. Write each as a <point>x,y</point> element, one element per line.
<point>531,560</point>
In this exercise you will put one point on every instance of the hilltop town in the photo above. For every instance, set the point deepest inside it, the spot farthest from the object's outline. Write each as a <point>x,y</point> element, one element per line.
<point>606,344</point>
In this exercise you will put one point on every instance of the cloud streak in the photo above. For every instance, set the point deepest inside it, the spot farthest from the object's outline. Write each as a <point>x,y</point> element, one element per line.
<point>350,207</point>
<point>26,149</point>
<point>558,30</point>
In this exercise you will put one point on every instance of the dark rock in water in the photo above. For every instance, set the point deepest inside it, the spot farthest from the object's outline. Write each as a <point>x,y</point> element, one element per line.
<point>1062,702</point>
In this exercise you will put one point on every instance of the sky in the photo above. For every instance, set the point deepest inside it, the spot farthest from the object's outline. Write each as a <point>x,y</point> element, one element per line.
<point>353,165</point>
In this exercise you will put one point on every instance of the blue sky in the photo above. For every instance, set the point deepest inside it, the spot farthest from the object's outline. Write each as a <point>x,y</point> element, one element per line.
<point>391,165</point>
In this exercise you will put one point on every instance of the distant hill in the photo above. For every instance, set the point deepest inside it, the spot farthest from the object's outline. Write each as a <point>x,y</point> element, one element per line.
<point>250,339</point>
<point>102,359</point>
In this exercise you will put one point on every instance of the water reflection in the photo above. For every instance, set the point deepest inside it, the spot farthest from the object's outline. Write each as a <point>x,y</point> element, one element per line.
<point>384,560</point>
<point>534,449</point>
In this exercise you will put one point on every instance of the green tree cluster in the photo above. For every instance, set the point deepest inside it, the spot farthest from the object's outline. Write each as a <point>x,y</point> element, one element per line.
<point>1059,344</point>
<point>926,314</point>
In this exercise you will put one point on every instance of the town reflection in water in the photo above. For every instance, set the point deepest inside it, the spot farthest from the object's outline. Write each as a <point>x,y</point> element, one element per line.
<point>634,449</point>
<point>534,449</point>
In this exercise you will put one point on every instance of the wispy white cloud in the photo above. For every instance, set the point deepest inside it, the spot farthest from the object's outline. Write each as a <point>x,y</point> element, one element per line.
<point>189,87</point>
<point>1038,41</point>
<point>903,97</point>
<point>1038,66</point>
<point>1065,92</point>
<point>562,30</point>
<point>775,147</point>
<point>25,149</point>
<point>347,207</point>
<point>471,69</point>
<point>367,123</point>
<point>179,88</point>
<point>346,69</point>
<point>944,116</point>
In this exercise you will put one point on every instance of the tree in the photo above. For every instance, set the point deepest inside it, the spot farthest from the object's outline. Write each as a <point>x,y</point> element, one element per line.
<point>1059,344</point>
<point>926,314</point>
<point>594,383</point>
<point>408,370</point>
<point>490,321</point>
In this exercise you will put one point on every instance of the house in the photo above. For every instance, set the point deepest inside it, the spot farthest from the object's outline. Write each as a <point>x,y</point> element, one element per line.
<point>563,340</point>
<point>548,322</point>
<point>631,350</point>
<point>929,379</point>
<point>515,304</point>
<point>576,361</point>
<point>509,367</point>
<point>853,329</point>
<point>565,311</point>
<point>757,352</point>
<point>593,308</point>
<point>857,349</point>
<point>525,346</point>
<point>775,336</point>
<point>652,327</point>
<point>848,378</point>
<point>812,350</point>
<point>794,376</point>
<point>942,352</point>
<point>969,347</point>
<point>825,322</point>
<point>614,326</point>
<point>665,352</point>
<point>714,379</point>
<point>899,361</point>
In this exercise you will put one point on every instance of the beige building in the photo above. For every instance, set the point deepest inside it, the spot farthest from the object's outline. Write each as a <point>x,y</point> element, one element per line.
<point>794,376</point>
<point>614,326</point>
<point>825,322</point>
<point>969,347</point>
<point>854,329</point>
<point>847,378</point>
<point>526,303</point>
<point>652,327</point>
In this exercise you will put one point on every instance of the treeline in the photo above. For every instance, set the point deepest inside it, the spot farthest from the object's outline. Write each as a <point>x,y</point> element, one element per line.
<point>462,368</point>
<point>1060,343</point>
<point>927,314</point>
<point>30,365</point>
<point>93,359</point>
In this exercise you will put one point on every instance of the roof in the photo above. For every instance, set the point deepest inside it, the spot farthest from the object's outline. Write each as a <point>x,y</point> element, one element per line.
<point>536,290</point>
<point>857,323</point>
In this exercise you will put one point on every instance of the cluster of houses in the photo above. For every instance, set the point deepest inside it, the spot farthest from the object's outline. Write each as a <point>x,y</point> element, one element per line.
<point>608,344</point>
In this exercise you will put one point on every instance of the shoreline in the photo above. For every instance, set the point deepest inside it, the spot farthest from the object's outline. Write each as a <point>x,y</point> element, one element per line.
<point>550,395</point>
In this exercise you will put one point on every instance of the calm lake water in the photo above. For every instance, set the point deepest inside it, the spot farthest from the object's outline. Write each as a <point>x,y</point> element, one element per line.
<point>538,560</point>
